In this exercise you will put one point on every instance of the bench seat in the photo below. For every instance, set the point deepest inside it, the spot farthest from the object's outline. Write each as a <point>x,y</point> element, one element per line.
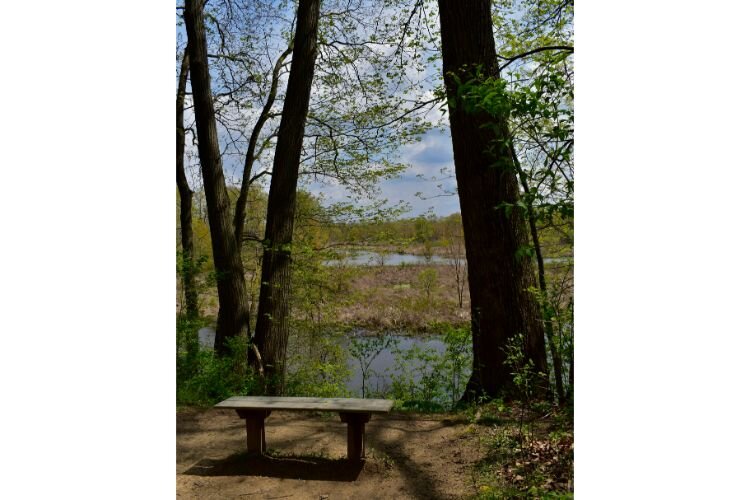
<point>355,412</point>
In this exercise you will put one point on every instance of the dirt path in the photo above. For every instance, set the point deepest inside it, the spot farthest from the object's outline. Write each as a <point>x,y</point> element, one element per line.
<point>409,456</point>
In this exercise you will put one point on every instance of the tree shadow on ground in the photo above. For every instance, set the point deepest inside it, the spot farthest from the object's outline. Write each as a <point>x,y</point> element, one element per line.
<point>308,468</point>
<point>420,482</point>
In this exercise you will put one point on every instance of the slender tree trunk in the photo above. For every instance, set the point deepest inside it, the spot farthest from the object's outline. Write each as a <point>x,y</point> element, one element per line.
<point>546,311</point>
<point>499,277</point>
<point>569,394</point>
<point>241,205</point>
<point>570,379</point>
<point>186,200</point>
<point>272,327</point>
<point>234,316</point>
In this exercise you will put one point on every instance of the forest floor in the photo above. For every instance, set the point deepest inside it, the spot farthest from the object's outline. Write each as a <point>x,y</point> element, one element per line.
<point>408,457</point>
<point>420,456</point>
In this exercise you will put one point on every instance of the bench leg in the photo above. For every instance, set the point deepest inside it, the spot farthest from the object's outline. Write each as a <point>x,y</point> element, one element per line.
<point>256,430</point>
<point>355,434</point>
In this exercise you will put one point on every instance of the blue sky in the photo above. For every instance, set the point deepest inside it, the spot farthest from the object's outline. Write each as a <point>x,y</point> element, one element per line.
<point>427,185</point>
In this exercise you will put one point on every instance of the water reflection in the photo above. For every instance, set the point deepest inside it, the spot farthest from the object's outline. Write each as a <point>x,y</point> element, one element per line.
<point>367,258</point>
<point>379,373</point>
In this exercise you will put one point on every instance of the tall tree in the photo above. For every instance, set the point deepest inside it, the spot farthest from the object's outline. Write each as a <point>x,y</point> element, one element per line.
<point>356,115</point>
<point>499,271</point>
<point>272,327</point>
<point>234,313</point>
<point>186,200</point>
<point>536,93</point>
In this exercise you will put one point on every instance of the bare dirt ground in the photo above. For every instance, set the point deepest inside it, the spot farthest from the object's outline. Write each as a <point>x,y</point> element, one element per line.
<point>409,456</point>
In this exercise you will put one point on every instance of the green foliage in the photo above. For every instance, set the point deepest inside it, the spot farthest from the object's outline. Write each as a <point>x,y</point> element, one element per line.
<point>317,362</point>
<point>427,279</point>
<point>424,229</point>
<point>458,357</point>
<point>201,233</point>
<point>522,368</point>
<point>185,266</point>
<point>417,375</point>
<point>204,379</point>
<point>187,269</point>
<point>255,208</point>
<point>529,107</point>
<point>557,314</point>
<point>422,235</point>
<point>422,378</point>
<point>531,101</point>
<point>541,117</point>
<point>519,462</point>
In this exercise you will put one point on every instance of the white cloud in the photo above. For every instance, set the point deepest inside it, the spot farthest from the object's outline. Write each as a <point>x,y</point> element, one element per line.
<point>429,172</point>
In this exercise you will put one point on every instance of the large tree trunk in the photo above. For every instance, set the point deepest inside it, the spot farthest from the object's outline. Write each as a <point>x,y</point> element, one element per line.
<point>186,200</point>
<point>234,314</point>
<point>272,327</point>
<point>499,277</point>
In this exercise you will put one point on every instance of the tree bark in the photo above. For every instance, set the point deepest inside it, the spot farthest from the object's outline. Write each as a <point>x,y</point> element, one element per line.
<point>186,200</point>
<point>499,277</point>
<point>272,327</point>
<point>234,316</point>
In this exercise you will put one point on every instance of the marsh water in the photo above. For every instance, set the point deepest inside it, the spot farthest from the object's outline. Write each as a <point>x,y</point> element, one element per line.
<point>369,258</point>
<point>390,360</point>
<point>382,364</point>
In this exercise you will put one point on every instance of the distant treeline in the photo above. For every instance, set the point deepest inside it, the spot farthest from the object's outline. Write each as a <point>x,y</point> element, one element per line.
<point>320,227</point>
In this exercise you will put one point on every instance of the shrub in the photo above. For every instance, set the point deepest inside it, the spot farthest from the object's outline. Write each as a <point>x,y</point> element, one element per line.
<point>204,379</point>
<point>319,372</point>
<point>425,379</point>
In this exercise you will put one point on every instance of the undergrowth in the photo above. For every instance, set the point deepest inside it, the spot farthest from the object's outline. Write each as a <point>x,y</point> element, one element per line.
<point>527,461</point>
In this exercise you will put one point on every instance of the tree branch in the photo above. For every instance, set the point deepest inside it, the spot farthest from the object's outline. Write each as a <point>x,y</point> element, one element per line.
<point>510,60</point>
<point>239,211</point>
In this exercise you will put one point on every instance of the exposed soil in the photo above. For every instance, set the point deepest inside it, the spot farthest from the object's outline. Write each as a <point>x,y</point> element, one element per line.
<point>409,456</point>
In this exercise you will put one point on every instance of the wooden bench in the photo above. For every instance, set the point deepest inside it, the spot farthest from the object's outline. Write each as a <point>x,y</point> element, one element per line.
<point>355,412</point>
